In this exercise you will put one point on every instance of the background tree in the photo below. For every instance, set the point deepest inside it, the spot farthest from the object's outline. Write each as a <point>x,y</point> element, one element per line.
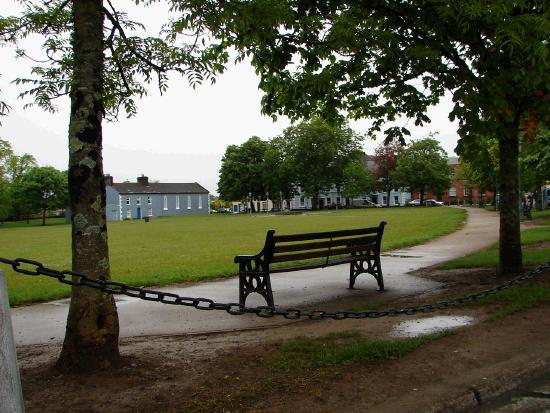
<point>383,59</point>
<point>479,163</point>
<point>421,167</point>
<point>103,61</point>
<point>279,178</point>
<point>41,189</point>
<point>535,164</point>
<point>12,167</point>
<point>4,199</point>
<point>5,153</point>
<point>243,170</point>
<point>217,203</point>
<point>318,154</point>
<point>357,180</point>
<point>385,158</point>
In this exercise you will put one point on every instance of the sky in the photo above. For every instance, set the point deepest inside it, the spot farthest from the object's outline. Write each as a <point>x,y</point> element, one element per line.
<point>178,137</point>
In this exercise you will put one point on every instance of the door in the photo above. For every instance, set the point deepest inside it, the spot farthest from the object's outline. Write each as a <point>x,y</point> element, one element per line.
<point>138,212</point>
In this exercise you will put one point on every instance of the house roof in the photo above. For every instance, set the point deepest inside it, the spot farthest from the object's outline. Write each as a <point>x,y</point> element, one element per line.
<point>159,188</point>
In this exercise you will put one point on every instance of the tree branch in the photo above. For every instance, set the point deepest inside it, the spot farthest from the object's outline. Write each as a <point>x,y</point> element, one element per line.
<point>120,29</point>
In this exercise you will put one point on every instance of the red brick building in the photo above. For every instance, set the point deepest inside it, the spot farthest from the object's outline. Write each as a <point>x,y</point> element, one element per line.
<point>461,191</point>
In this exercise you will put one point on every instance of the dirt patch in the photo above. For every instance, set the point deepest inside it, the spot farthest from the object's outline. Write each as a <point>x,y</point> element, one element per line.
<point>233,372</point>
<point>537,246</point>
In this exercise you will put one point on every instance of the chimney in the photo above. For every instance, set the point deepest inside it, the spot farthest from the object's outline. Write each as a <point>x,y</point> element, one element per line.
<point>143,180</point>
<point>108,180</point>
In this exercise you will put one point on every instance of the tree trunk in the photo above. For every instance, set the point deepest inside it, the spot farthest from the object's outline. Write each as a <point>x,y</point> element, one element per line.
<point>43,217</point>
<point>538,198</point>
<point>315,203</point>
<point>91,338</point>
<point>388,197</point>
<point>510,261</point>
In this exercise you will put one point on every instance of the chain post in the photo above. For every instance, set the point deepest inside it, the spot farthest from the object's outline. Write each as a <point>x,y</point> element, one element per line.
<point>11,394</point>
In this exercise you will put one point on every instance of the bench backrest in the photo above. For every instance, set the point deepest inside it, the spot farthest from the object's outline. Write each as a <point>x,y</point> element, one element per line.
<point>328,247</point>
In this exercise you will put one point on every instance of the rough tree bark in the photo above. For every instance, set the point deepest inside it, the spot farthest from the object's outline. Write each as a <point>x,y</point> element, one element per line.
<point>509,244</point>
<point>91,339</point>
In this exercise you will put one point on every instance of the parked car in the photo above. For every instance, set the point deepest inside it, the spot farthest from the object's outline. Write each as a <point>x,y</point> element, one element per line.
<point>427,202</point>
<point>432,202</point>
<point>224,210</point>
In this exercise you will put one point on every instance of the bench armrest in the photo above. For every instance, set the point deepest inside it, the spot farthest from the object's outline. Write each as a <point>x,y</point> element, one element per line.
<point>244,258</point>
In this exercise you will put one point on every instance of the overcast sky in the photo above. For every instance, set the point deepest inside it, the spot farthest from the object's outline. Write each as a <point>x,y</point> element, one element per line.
<point>179,137</point>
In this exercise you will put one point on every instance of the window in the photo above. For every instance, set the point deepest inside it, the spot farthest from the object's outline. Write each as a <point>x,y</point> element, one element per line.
<point>177,201</point>
<point>150,211</point>
<point>396,199</point>
<point>128,213</point>
<point>328,201</point>
<point>452,191</point>
<point>466,191</point>
<point>200,202</point>
<point>188,201</point>
<point>138,200</point>
<point>302,202</point>
<point>338,200</point>
<point>384,200</point>
<point>149,200</point>
<point>127,200</point>
<point>165,200</point>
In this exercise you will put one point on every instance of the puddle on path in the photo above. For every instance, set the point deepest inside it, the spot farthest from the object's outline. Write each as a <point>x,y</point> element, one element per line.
<point>430,325</point>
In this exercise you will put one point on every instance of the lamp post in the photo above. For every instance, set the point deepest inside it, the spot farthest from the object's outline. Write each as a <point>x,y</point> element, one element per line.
<point>267,202</point>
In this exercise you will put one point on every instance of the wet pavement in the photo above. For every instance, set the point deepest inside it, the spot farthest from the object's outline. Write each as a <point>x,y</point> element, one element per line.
<point>42,323</point>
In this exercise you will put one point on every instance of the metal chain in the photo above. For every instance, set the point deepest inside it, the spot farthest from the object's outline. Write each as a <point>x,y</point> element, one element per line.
<point>35,268</point>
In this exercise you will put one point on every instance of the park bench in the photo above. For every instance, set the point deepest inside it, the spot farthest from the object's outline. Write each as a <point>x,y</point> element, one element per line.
<point>285,253</point>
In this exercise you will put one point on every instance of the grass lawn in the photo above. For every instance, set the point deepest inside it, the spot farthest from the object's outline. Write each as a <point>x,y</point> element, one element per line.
<point>175,249</point>
<point>344,349</point>
<point>534,241</point>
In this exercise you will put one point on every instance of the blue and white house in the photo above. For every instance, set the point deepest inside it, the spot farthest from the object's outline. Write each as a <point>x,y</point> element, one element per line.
<point>135,200</point>
<point>332,198</point>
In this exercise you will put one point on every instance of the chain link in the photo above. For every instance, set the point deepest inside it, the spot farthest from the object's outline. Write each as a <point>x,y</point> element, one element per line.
<point>35,268</point>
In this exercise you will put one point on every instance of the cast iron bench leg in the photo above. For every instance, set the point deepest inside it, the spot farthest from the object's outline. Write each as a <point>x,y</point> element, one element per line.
<point>357,267</point>
<point>255,283</point>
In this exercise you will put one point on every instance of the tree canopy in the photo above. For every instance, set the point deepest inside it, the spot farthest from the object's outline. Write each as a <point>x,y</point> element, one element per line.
<point>41,189</point>
<point>319,153</point>
<point>535,163</point>
<point>422,167</point>
<point>385,59</point>
<point>12,168</point>
<point>243,170</point>
<point>385,158</point>
<point>313,155</point>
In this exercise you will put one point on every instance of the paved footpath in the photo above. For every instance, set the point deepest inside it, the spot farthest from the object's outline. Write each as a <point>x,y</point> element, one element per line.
<point>43,323</point>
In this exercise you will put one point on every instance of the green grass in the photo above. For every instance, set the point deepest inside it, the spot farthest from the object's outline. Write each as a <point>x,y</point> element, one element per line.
<point>519,298</point>
<point>175,249</point>
<point>541,217</point>
<point>533,254</point>
<point>344,349</point>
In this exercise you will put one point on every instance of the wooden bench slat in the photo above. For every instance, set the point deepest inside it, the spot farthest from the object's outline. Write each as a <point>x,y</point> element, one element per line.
<point>323,244</point>
<point>322,253</point>
<point>327,234</point>
<point>312,265</point>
